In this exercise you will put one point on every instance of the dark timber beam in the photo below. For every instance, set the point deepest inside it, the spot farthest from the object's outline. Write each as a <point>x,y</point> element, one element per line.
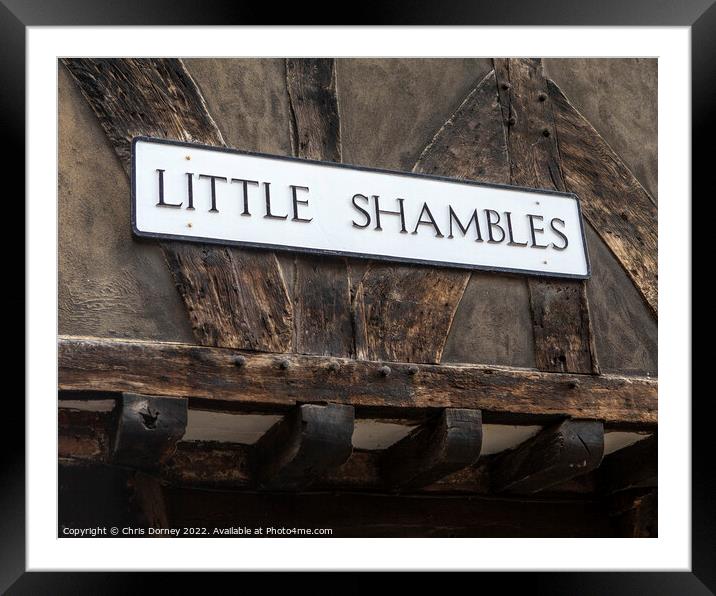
<point>306,444</point>
<point>148,429</point>
<point>148,499</point>
<point>227,466</point>
<point>227,379</point>
<point>612,199</point>
<point>404,313</point>
<point>399,516</point>
<point>556,454</point>
<point>321,289</point>
<point>235,298</point>
<point>634,513</point>
<point>635,466</point>
<point>445,444</point>
<point>560,311</point>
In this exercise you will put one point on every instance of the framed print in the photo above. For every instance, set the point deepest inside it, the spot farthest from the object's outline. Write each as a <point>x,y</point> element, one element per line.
<point>396,301</point>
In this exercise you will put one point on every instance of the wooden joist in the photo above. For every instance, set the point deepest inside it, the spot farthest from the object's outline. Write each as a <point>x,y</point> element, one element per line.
<point>248,380</point>
<point>234,297</point>
<point>445,444</point>
<point>230,466</point>
<point>555,455</point>
<point>636,466</point>
<point>560,312</point>
<point>309,442</point>
<point>148,429</point>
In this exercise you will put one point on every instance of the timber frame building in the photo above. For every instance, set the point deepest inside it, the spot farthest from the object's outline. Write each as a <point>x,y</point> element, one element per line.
<point>223,387</point>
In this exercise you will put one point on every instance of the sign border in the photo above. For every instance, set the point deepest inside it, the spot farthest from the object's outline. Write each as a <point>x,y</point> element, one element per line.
<point>339,253</point>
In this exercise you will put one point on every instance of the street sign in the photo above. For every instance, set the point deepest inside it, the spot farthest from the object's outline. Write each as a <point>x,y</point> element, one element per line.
<point>197,193</point>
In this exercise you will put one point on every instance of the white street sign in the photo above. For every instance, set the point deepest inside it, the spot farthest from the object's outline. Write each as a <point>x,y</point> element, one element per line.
<point>197,193</point>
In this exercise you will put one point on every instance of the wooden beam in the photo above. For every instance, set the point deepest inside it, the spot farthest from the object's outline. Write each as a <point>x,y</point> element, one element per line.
<point>219,465</point>
<point>321,290</point>
<point>404,313</point>
<point>227,466</point>
<point>306,444</point>
<point>556,454</point>
<point>234,297</point>
<point>148,498</point>
<point>612,199</point>
<point>85,434</point>
<point>148,429</point>
<point>560,312</point>
<point>315,122</point>
<point>94,494</point>
<point>472,143</point>
<point>636,466</point>
<point>634,513</point>
<point>261,381</point>
<point>375,515</point>
<point>445,444</point>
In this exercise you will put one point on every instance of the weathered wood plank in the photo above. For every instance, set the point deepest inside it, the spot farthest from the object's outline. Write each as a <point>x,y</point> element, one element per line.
<point>321,292</point>
<point>562,327</point>
<point>636,466</point>
<point>262,380</point>
<point>405,313</point>
<point>133,97</point>
<point>311,84</point>
<point>555,455</point>
<point>245,293</point>
<point>211,465</point>
<point>307,443</point>
<point>532,144</point>
<point>613,200</point>
<point>563,338</point>
<point>223,465</point>
<point>157,97</point>
<point>84,435</point>
<point>443,445</point>
<point>148,429</point>
<point>322,307</point>
<point>472,143</point>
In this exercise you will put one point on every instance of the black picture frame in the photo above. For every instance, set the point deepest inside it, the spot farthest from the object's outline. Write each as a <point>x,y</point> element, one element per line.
<point>17,15</point>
